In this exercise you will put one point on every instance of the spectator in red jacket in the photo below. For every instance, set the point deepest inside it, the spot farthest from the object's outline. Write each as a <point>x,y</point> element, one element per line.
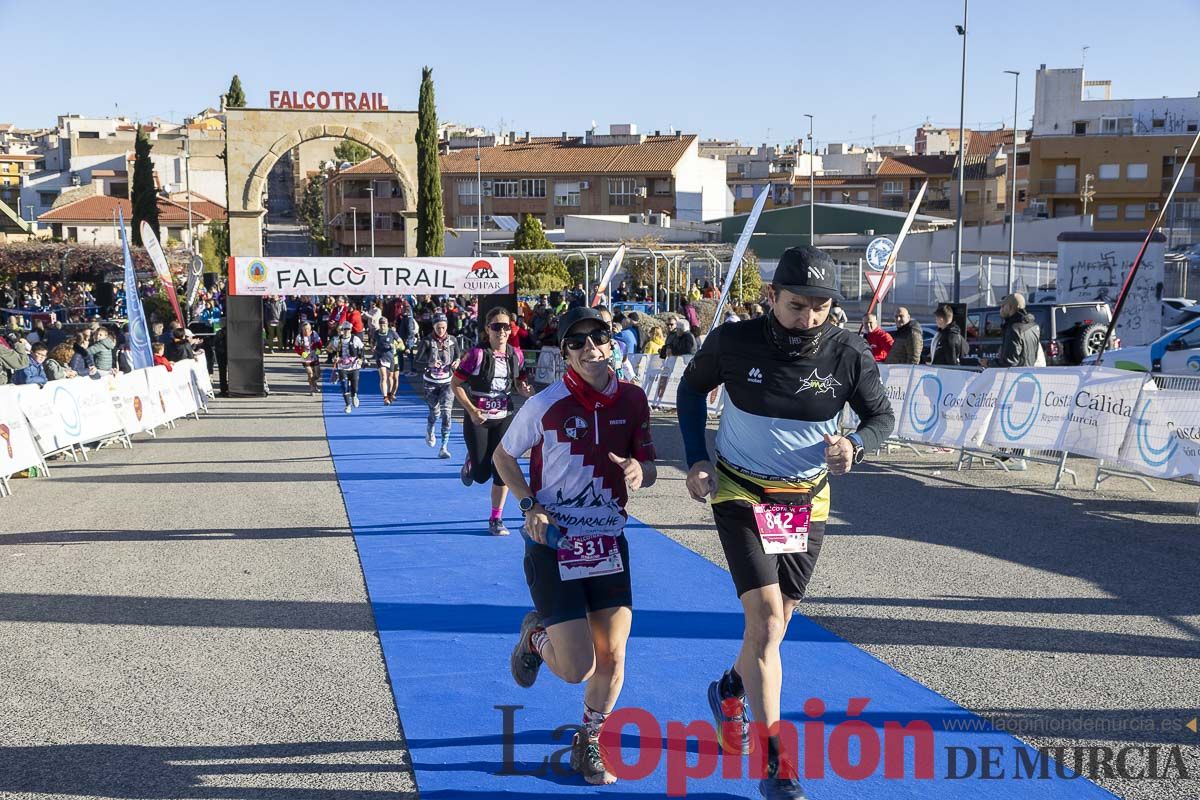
<point>879,340</point>
<point>159,358</point>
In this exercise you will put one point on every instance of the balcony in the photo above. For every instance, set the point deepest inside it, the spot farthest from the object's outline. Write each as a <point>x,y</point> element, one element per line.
<point>1186,184</point>
<point>1059,186</point>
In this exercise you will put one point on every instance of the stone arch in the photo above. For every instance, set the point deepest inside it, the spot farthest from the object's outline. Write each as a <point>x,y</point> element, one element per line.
<point>256,180</point>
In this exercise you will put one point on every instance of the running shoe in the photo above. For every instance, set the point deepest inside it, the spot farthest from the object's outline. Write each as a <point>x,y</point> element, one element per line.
<point>464,474</point>
<point>348,408</point>
<point>730,711</point>
<point>310,391</point>
<point>429,440</point>
<point>496,527</point>
<point>781,789</point>
<point>355,401</point>
<point>525,661</point>
<point>586,760</point>
<point>444,452</point>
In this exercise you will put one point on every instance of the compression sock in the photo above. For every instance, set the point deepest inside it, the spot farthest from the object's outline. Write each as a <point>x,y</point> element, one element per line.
<point>731,684</point>
<point>495,513</point>
<point>592,720</point>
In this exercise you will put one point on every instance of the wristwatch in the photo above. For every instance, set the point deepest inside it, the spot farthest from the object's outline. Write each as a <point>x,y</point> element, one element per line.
<point>527,503</point>
<point>860,452</point>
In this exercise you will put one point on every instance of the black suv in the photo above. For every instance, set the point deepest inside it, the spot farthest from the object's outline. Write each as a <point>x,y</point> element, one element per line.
<point>1070,331</point>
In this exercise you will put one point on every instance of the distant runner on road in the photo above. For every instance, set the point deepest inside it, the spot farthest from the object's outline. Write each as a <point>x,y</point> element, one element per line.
<point>438,355</point>
<point>590,440</point>
<point>347,351</point>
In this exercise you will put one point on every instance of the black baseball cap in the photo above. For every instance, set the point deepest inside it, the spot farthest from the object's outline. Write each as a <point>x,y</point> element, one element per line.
<point>577,315</point>
<point>808,271</point>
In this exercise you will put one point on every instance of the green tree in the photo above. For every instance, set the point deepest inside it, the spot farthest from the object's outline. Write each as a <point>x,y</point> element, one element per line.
<point>351,151</point>
<point>312,213</point>
<point>214,247</point>
<point>748,284</point>
<point>537,274</point>
<point>235,97</point>
<point>431,221</point>
<point>144,196</point>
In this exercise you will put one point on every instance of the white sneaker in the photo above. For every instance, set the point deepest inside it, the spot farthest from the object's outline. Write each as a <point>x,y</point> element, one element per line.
<point>347,408</point>
<point>355,401</point>
<point>429,440</point>
<point>444,452</point>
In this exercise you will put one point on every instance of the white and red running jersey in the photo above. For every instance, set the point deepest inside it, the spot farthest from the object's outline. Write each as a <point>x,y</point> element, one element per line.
<point>570,472</point>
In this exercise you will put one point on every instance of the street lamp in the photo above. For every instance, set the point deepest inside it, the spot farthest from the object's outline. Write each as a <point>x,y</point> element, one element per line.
<point>1171,224</point>
<point>354,226</point>
<point>1012,183</point>
<point>371,192</point>
<point>962,161</point>
<point>187,179</point>
<point>812,194</point>
<point>478,198</point>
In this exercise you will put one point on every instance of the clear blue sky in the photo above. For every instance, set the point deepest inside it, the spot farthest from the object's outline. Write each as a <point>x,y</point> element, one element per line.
<point>747,70</point>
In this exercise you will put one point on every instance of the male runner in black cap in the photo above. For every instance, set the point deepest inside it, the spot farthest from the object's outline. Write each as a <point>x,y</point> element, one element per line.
<point>787,377</point>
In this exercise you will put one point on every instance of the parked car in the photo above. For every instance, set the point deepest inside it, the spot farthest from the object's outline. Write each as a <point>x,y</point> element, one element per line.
<point>1176,352</point>
<point>1178,310</point>
<point>1070,332</point>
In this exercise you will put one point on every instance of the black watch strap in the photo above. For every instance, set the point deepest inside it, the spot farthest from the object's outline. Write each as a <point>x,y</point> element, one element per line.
<point>527,503</point>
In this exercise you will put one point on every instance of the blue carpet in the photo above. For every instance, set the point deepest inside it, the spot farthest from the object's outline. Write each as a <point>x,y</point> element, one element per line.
<point>448,600</point>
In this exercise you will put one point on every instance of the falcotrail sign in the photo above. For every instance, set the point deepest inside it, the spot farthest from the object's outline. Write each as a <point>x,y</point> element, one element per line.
<point>322,100</point>
<point>262,275</point>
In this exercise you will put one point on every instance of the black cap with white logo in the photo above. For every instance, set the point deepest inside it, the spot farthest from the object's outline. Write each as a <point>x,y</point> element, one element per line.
<point>808,271</point>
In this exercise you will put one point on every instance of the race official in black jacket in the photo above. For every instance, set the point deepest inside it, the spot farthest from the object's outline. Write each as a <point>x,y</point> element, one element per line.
<point>949,346</point>
<point>787,377</point>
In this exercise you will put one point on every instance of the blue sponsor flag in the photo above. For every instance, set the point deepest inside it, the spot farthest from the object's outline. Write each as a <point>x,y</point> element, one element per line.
<point>139,333</point>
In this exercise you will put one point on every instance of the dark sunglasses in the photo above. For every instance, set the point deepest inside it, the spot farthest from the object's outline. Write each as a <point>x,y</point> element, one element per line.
<point>498,327</point>
<point>577,341</point>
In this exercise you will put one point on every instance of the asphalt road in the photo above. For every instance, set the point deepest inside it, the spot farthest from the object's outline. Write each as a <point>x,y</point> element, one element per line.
<point>1071,618</point>
<point>188,619</point>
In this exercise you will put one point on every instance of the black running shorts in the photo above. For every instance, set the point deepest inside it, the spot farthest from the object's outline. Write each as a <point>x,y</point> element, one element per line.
<point>557,600</point>
<point>750,567</point>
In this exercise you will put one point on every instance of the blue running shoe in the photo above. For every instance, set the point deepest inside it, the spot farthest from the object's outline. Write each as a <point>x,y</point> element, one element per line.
<point>730,711</point>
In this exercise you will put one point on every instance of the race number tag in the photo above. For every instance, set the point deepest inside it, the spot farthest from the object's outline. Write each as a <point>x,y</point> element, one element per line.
<point>347,362</point>
<point>589,555</point>
<point>491,405</point>
<point>782,528</point>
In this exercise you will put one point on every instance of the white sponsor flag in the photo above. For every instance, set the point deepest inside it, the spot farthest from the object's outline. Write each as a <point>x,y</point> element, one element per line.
<point>1163,437</point>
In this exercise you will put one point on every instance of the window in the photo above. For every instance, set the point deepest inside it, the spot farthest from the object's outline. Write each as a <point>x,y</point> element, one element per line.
<point>662,187</point>
<point>864,197</point>
<point>468,193</point>
<point>533,187</point>
<point>1080,128</point>
<point>1022,195</point>
<point>1158,124</point>
<point>466,221</point>
<point>383,221</point>
<point>623,192</point>
<point>972,196</point>
<point>72,234</point>
<point>1109,172</point>
<point>506,189</point>
<point>745,192</point>
<point>1136,172</point>
<point>47,198</point>
<point>1135,211</point>
<point>118,189</point>
<point>893,187</point>
<point>1116,125</point>
<point>560,221</point>
<point>566,194</point>
<point>1107,212</point>
<point>972,326</point>
<point>993,325</point>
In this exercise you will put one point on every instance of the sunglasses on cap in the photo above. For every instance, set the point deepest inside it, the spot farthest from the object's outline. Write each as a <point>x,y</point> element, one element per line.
<point>499,327</point>
<point>577,341</point>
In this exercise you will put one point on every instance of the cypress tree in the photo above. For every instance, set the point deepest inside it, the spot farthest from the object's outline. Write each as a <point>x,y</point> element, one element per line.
<point>235,97</point>
<point>431,221</point>
<point>144,196</point>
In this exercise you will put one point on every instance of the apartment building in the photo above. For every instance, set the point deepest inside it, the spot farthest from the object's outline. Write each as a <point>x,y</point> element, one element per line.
<point>13,169</point>
<point>352,194</point>
<point>94,219</point>
<point>622,172</point>
<point>1113,158</point>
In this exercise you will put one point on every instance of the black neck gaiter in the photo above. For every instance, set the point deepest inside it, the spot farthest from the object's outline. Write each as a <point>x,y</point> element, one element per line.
<point>793,343</point>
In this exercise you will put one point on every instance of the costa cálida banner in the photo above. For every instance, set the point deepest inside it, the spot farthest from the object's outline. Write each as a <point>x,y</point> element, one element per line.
<point>265,275</point>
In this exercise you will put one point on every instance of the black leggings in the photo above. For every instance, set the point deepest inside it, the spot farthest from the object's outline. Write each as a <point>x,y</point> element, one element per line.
<point>482,441</point>
<point>349,381</point>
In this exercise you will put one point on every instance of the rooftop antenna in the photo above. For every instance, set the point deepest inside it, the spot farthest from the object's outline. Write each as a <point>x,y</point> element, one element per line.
<point>1083,59</point>
<point>872,131</point>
